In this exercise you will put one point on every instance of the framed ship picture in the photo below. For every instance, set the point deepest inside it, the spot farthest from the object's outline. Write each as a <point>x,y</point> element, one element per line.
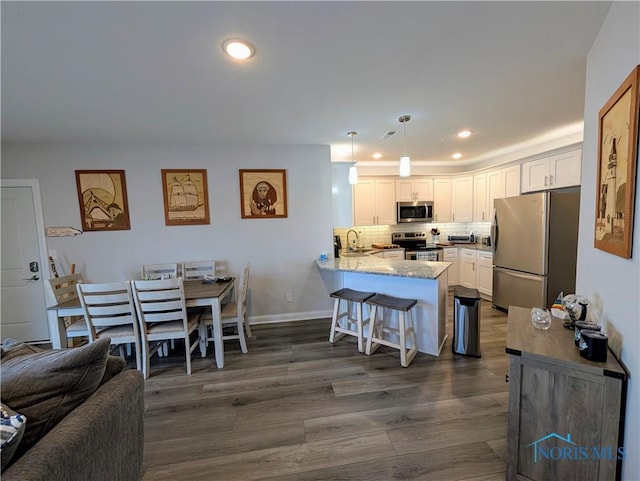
<point>102,196</point>
<point>263,193</point>
<point>186,201</point>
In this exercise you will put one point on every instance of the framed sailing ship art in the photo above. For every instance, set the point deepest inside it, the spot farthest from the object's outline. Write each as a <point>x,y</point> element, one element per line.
<point>102,196</point>
<point>186,201</point>
<point>616,170</point>
<point>263,193</point>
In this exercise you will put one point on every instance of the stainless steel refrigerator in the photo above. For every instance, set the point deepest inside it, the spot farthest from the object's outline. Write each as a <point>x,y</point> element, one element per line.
<point>535,243</point>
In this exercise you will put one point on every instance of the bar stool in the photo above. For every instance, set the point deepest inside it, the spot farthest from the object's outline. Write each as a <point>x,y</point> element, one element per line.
<point>353,326</point>
<point>405,331</point>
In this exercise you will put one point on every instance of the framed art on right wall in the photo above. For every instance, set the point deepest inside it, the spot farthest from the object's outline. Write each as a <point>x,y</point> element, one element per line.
<point>617,159</point>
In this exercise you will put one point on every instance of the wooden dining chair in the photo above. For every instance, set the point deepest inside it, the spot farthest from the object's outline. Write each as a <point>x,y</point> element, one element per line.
<point>109,311</point>
<point>169,270</point>
<point>163,316</point>
<point>198,269</point>
<point>234,314</point>
<point>64,289</point>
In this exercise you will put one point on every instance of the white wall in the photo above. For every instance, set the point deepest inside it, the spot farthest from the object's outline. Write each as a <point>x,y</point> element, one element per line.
<point>281,251</point>
<point>604,278</point>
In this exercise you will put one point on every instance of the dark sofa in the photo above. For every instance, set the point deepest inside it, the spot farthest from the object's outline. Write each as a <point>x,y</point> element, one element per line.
<point>101,438</point>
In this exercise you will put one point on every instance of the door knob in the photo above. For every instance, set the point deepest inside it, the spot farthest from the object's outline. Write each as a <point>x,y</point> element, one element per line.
<point>32,278</point>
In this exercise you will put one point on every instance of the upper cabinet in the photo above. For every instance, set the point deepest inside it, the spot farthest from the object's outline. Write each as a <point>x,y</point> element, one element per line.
<point>374,202</point>
<point>481,195</point>
<point>442,200</point>
<point>554,172</point>
<point>408,190</point>
<point>492,185</point>
<point>511,180</point>
<point>462,199</point>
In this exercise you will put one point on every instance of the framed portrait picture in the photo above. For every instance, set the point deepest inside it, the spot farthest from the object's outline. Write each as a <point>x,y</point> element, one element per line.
<point>102,196</point>
<point>617,159</point>
<point>263,193</point>
<point>186,201</point>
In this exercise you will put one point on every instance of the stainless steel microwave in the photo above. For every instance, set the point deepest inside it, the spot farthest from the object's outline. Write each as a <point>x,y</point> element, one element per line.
<point>416,211</point>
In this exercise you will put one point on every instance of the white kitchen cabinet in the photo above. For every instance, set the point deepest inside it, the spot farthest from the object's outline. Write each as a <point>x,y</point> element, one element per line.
<point>393,254</point>
<point>442,199</point>
<point>484,272</point>
<point>491,185</point>
<point>374,202</point>
<point>511,179</point>
<point>475,270</point>
<point>450,254</point>
<point>462,199</point>
<point>480,199</point>
<point>554,172</point>
<point>408,190</point>
<point>467,268</point>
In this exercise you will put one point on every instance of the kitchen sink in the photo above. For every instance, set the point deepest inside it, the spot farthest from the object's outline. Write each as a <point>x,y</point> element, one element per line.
<point>354,254</point>
<point>358,252</point>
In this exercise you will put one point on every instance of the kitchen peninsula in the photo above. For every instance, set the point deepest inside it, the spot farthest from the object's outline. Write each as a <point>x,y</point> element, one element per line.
<point>422,280</point>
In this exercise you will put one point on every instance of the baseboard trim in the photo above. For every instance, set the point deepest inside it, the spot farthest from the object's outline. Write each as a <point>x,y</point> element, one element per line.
<point>290,316</point>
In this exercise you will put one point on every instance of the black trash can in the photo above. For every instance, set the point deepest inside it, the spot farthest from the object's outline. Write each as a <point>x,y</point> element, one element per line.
<point>466,321</point>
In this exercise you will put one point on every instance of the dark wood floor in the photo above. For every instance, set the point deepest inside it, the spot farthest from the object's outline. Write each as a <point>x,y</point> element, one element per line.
<point>298,408</point>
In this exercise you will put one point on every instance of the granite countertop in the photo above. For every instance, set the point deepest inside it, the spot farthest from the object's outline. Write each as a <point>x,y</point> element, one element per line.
<point>478,247</point>
<point>385,267</point>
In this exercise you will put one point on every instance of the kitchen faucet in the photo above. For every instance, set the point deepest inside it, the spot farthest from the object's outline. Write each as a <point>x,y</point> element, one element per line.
<point>350,247</point>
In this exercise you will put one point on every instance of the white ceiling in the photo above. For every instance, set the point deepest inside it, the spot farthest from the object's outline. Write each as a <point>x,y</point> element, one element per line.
<point>155,72</point>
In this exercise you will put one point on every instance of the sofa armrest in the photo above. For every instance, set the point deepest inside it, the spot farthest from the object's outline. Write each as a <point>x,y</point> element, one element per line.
<point>102,439</point>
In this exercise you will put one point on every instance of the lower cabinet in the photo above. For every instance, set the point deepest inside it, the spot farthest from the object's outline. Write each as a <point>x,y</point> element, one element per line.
<point>476,270</point>
<point>467,268</point>
<point>451,255</point>
<point>393,254</point>
<point>565,419</point>
<point>484,272</point>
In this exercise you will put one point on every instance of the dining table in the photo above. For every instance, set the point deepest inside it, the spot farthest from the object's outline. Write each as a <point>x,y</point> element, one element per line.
<point>197,293</point>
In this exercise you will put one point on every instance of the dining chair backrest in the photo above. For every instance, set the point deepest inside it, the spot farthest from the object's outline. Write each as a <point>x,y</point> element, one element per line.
<point>160,271</point>
<point>198,269</point>
<point>107,305</point>
<point>162,314</point>
<point>242,297</point>
<point>159,300</point>
<point>64,288</point>
<point>109,311</point>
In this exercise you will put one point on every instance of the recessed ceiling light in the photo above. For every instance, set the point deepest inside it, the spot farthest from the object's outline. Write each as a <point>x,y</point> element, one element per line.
<point>463,134</point>
<point>457,155</point>
<point>238,49</point>
<point>377,155</point>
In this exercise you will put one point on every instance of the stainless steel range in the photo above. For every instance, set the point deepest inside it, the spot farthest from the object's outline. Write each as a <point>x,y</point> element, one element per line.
<point>416,247</point>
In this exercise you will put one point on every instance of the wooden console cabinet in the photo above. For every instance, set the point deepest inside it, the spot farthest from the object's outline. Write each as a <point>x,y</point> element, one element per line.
<point>566,414</point>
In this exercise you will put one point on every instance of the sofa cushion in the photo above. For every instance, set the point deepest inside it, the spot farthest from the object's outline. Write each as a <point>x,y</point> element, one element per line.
<point>12,427</point>
<point>46,385</point>
<point>114,366</point>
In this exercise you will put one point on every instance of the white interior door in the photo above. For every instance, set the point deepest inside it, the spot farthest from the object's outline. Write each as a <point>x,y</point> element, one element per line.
<point>24,315</point>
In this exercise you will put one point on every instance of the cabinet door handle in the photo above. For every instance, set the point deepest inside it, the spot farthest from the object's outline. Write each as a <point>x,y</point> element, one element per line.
<point>453,217</point>
<point>474,265</point>
<point>545,180</point>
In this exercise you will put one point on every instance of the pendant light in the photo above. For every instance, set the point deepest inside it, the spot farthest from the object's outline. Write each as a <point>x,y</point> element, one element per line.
<point>405,161</point>
<point>353,170</point>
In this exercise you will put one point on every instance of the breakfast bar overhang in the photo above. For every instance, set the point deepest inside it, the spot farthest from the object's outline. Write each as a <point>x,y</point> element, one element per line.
<point>422,280</point>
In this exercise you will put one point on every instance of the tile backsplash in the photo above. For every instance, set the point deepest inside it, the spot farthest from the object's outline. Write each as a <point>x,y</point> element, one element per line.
<point>382,233</point>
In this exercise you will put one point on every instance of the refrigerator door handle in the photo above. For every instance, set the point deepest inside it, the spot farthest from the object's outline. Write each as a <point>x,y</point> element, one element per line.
<point>494,232</point>
<point>524,276</point>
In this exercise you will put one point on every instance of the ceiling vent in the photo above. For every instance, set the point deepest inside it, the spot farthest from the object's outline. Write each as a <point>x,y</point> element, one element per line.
<point>388,135</point>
